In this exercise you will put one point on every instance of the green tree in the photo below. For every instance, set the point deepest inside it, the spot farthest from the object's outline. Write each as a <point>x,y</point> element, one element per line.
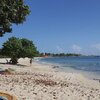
<point>16,48</point>
<point>28,48</point>
<point>12,12</point>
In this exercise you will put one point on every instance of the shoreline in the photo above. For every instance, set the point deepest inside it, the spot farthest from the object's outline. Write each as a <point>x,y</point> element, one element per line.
<point>88,74</point>
<point>43,82</point>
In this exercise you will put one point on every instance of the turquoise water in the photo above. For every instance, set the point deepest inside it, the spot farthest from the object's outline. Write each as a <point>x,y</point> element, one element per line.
<point>83,63</point>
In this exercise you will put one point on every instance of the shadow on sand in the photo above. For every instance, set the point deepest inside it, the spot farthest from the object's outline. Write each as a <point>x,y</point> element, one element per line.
<point>8,63</point>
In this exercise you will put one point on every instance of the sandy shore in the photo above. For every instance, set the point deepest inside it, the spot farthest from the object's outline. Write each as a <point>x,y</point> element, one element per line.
<point>43,82</point>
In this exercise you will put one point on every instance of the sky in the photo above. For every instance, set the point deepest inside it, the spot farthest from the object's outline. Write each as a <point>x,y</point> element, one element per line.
<point>56,26</point>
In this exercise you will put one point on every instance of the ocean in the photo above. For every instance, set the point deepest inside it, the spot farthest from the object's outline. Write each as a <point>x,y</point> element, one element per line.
<point>84,64</point>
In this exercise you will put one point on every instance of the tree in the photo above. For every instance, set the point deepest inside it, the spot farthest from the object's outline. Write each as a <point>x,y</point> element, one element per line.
<point>12,12</point>
<point>16,48</point>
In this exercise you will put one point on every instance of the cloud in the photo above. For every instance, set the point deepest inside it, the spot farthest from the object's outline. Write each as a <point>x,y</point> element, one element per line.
<point>60,50</point>
<point>97,46</point>
<point>76,48</point>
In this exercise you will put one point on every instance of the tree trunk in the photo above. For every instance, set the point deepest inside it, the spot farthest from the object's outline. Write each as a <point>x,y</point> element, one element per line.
<point>14,61</point>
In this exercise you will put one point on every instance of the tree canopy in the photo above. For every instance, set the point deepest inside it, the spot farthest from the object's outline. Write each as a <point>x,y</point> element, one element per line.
<point>12,12</point>
<point>16,48</point>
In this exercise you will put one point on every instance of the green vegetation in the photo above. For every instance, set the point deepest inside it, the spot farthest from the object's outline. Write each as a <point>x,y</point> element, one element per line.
<point>59,54</point>
<point>12,12</point>
<point>15,12</point>
<point>16,48</point>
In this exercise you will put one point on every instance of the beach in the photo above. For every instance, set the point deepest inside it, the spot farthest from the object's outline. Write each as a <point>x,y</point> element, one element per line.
<point>43,82</point>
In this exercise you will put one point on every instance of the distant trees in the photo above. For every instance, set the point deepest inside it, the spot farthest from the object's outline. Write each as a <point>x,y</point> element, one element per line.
<point>59,54</point>
<point>12,12</point>
<point>16,48</point>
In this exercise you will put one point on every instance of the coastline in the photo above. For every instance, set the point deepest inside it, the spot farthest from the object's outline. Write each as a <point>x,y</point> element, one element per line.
<point>44,82</point>
<point>59,67</point>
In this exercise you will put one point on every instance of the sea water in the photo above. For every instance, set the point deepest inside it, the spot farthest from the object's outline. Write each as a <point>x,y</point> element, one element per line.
<point>83,64</point>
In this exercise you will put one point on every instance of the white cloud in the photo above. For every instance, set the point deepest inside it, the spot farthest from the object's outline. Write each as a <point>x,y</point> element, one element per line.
<point>76,48</point>
<point>60,50</point>
<point>97,46</point>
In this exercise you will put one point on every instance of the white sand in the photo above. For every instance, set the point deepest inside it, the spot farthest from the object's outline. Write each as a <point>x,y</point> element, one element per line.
<point>42,82</point>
